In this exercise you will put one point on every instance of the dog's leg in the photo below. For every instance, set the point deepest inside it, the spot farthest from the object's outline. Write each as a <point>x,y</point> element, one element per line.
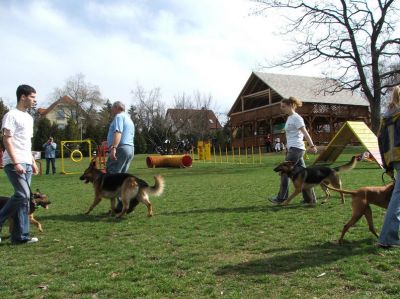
<point>326,191</point>
<point>368,216</point>
<point>112,211</point>
<point>10,225</point>
<point>96,201</point>
<point>355,217</point>
<point>35,222</point>
<point>146,201</point>
<point>125,205</point>
<point>293,195</point>
<point>337,183</point>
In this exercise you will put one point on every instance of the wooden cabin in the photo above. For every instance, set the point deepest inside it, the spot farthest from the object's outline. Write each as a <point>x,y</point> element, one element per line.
<point>256,111</point>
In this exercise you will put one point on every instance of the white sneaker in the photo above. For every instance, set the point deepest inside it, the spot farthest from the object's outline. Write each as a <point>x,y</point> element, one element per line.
<point>0,239</point>
<point>32,240</point>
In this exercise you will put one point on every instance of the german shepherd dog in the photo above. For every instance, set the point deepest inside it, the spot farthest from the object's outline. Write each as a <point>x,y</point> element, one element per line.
<point>124,185</point>
<point>306,178</point>
<point>360,201</point>
<point>37,199</point>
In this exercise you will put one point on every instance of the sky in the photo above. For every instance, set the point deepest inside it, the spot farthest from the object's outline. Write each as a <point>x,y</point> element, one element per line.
<point>179,46</point>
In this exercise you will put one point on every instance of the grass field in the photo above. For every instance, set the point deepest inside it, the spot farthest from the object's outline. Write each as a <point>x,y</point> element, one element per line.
<point>213,235</point>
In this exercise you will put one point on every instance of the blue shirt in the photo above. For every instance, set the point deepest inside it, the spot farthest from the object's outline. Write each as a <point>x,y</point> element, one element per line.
<point>50,150</point>
<point>122,123</point>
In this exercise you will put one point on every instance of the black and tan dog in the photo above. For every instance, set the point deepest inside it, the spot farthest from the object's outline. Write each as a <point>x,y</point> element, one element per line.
<point>37,199</point>
<point>129,187</point>
<point>361,199</point>
<point>306,178</point>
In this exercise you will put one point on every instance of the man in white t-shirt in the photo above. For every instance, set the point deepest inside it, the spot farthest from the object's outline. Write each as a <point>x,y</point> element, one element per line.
<point>19,164</point>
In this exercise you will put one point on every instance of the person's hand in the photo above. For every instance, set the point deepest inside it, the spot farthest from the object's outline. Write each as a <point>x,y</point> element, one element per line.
<point>19,169</point>
<point>35,169</point>
<point>313,149</point>
<point>113,152</point>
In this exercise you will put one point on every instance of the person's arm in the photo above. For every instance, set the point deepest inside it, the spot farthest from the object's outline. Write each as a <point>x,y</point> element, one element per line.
<point>53,145</point>
<point>35,169</point>
<point>116,140</point>
<point>311,144</point>
<point>7,141</point>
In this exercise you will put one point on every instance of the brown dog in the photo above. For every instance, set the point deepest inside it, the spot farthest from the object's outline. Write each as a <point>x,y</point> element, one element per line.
<point>131,189</point>
<point>306,178</point>
<point>361,199</point>
<point>37,199</point>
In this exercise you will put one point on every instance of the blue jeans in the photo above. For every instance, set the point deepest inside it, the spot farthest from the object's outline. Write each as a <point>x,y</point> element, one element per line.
<point>124,155</point>
<point>18,205</point>
<point>390,230</point>
<point>121,165</point>
<point>53,165</point>
<point>295,155</point>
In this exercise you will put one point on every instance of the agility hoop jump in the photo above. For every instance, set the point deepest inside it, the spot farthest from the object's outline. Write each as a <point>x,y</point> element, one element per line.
<point>74,153</point>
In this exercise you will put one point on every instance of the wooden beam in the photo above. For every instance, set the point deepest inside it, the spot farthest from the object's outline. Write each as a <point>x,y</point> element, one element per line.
<point>257,94</point>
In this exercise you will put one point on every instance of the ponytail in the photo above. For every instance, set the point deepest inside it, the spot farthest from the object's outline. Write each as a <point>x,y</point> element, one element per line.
<point>293,102</point>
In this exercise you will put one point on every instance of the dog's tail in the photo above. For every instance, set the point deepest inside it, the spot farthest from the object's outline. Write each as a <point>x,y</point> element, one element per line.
<point>158,187</point>
<point>339,190</point>
<point>348,166</point>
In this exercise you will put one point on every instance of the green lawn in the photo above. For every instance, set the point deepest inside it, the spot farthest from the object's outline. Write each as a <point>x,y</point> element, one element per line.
<point>213,235</point>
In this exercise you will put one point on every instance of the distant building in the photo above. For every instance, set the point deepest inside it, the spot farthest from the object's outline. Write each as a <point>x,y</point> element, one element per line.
<point>60,111</point>
<point>186,121</point>
<point>256,111</point>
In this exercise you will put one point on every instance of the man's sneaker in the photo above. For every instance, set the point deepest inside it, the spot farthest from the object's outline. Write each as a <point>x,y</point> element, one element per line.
<point>0,239</point>
<point>32,240</point>
<point>27,241</point>
<point>276,200</point>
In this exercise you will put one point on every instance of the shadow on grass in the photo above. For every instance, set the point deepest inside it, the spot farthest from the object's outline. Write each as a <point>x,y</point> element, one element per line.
<point>83,218</point>
<point>312,256</point>
<point>245,209</point>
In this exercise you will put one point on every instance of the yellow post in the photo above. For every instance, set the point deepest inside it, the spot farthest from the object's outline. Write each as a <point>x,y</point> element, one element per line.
<point>233,154</point>
<point>252,153</point>
<point>220,154</point>
<point>215,157</point>
<point>62,157</point>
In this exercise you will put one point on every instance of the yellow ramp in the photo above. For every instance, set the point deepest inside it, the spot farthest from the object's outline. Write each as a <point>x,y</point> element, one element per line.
<point>351,130</point>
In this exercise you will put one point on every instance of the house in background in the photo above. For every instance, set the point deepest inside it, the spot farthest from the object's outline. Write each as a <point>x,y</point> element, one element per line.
<point>256,111</point>
<point>60,111</point>
<point>188,121</point>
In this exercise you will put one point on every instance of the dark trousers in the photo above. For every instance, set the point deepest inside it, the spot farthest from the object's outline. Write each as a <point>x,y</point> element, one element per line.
<point>53,165</point>
<point>268,147</point>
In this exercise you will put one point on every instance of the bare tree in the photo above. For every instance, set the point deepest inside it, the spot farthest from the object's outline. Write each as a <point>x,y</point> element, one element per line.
<point>192,114</point>
<point>352,37</point>
<point>86,97</point>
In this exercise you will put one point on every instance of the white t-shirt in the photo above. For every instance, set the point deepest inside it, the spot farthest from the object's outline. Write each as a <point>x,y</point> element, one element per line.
<point>20,125</point>
<point>294,136</point>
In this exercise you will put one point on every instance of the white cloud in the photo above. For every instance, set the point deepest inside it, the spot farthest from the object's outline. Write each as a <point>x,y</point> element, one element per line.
<point>179,46</point>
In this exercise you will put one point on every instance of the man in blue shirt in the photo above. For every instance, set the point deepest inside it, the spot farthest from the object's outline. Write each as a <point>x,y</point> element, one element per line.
<point>50,155</point>
<point>120,141</point>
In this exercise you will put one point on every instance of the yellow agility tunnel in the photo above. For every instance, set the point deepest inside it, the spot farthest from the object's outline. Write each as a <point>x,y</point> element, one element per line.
<point>181,161</point>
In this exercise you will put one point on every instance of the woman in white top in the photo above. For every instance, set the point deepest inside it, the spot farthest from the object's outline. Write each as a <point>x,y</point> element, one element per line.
<point>295,131</point>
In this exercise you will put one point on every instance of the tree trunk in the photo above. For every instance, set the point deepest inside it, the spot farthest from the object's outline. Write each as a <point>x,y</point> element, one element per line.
<point>375,116</point>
